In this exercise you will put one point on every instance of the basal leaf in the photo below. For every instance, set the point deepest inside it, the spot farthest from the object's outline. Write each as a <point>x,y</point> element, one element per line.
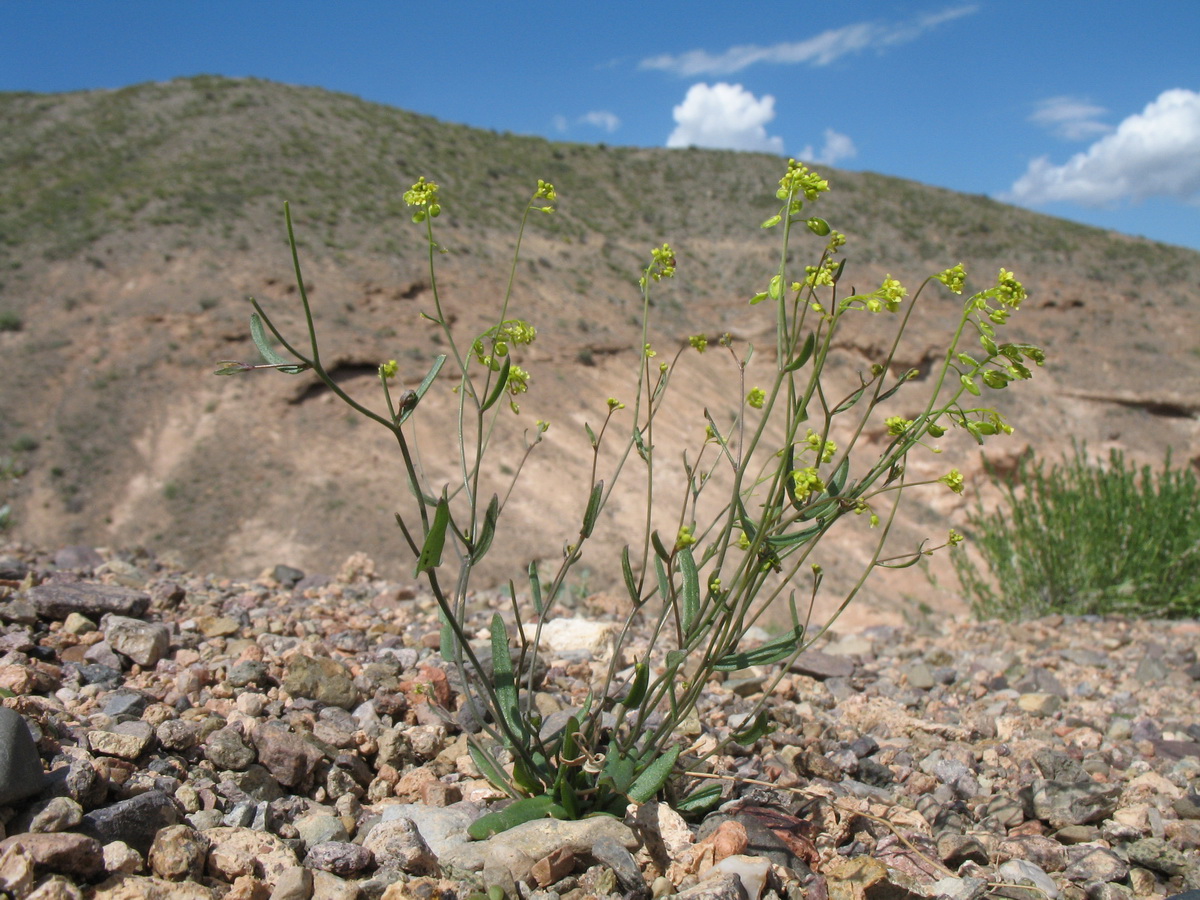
<point>526,810</point>
<point>653,777</point>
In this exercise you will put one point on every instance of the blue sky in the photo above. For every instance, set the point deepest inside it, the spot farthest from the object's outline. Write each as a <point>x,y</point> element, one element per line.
<point>1085,109</point>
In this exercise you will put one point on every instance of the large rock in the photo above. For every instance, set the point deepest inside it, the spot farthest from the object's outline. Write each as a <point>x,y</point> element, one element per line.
<point>21,773</point>
<point>57,600</point>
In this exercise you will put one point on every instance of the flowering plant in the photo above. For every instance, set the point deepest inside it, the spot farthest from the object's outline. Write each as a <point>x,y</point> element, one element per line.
<point>791,464</point>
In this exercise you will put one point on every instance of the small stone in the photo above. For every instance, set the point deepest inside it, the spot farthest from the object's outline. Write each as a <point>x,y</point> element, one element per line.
<point>397,843</point>
<point>143,642</point>
<point>1096,864</point>
<point>752,872</point>
<point>1155,853</point>
<point>243,851</point>
<point>57,600</point>
<point>135,821</point>
<point>1040,704</point>
<point>126,740</point>
<point>56,814</point>
<point>820,665</point>
<point>327,886</point>
<point>1020,871</point>
<point>178,853</point>
<point>121,859</point>
<point>21,773</point>
<point>614,855</point>
<point>319,828</point>
<point>295,883</point>
<point>288,757</point>
<point>247,672</point>
<point>726,886</point>
<point>125,703</point>
<point>77,623</point>
<point>920,676</point>
<point>339,857</point>
<point>72,854</point>
<point>225,749</point>
<point>56,887</point>
<point>217,626</point>
<point>1060,803</point>
<point>321,679</point>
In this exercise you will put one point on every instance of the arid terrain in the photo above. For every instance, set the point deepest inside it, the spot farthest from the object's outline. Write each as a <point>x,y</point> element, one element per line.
<point>134,224</point>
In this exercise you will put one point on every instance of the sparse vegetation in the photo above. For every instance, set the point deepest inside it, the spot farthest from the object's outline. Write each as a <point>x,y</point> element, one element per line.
<point>1081,538</point>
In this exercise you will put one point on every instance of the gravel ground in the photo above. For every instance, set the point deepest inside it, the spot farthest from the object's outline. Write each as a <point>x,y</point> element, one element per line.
<point>168,734</point>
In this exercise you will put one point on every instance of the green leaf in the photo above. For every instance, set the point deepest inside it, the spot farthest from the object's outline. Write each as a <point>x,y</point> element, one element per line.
<point>446,642</point>
<point>775,289</point>
<point>258,333</point>
<point>759,728</point>
<point>638,442</point>
<point>490,769</point>
<point>700,800</point>
<point>535,587</point>
<point>660,549</point>
<point>435,540</point>
<point>653,777</point>
<point>838,481</point>
<point>627,574</point>
<point>423,387</point>
<point>487,531</point>
<point>637,689</point>
<point>781,541</point>
<point>819,509</point>
<point>233,368</point>
<point>593,509</point>
<point>517,813</point>
<point>771,652</point>
<point>498,388</point>
<point>618,773</point>
<point>591,435</point>
<point>664,586</point>
<point>850,401</point>
<point>805,352</point>
<point>502,677</point>
<point>690,588</point>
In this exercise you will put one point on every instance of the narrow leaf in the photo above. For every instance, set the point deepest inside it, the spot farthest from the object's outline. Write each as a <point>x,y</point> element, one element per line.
<point>502,676</point>
<point>637,690</point>
<point>653,777</point>
<point>487,531</point>
<point>258,333</point>
<point>498,388</point>
<point>690,588</point>
<point>535,587</point>
<point>591,435</point>
<point>627,574</point>
<point>618,773</point>
<point>431,553</point>
<point>659,548</point>
<point>664,586</point>
<point>850,401</point>
<point>771,652</point>
<point>838,481</point>
<point>424,386</point>
<point>593,509</point>
<point>701,799</point>
<point>490,769</point>
<point>805,352</point>
<point>526,810</point>
<point>796,538</point>
<point>759,728</point>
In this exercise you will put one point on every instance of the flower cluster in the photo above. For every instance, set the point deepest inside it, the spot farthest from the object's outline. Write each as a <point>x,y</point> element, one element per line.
<point>807,482</point>
<point>423,195</point>
<point>699,342</point>
<point>756,397</point>
<point>953,480</point>
<point>824,450</point>
<point>387,370</point>
<point>799,181</point>
<point>954,278</point>
<point>499,337</point>
<point>662,263</point>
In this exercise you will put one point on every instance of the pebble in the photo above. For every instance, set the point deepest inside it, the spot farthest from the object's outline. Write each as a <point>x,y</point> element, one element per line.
<point>20,766</point>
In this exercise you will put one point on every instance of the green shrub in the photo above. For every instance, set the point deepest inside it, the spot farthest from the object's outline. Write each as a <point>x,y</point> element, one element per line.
<point>10,320</point>
<point>785,470</point>
<point>1086,539</point>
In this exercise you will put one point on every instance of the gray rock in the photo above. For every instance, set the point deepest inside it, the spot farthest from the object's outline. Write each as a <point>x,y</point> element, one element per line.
<point>727,886</point>
<point>1155,853</point>
<point>1061,803</point>
<point>1096,864</point>
<point>820,665</point>
<point>920,676</point>
<point>519,848</point>
<point>294,883</point>
<point>125,703</point>
<point>614,855</point>
<point>21,773</point>
<point>126,740</point>
<point>57,600</point>
<point>248,671</point>
<point>78,558</point>
<point>319,828</point>
<point>288,757</point>
<point>135,821</point>
<point>55,814</point>
<point>339,857</point>
<point>143,642</point>
<point>225,749</point>
<point>321,679</point>
<point>398,844</point>
<point>444,828</point>
<point>959,888</point>
<point>178,853</point>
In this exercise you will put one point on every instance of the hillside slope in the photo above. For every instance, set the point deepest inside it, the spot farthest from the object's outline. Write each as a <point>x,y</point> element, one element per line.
<point>134,223</point>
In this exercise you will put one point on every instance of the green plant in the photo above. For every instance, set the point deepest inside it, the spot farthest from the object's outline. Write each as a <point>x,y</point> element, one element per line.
<point>10,320</point>
<point>1082,538</point>
<point>736,537</point>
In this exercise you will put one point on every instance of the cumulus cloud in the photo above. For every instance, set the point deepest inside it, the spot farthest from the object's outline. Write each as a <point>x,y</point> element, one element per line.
<point>837,146</point>
<point>1154,153</point>
<point>601,118</point>
<point>724,116</point>
<point>1070,118</point>
<point>819,50</point>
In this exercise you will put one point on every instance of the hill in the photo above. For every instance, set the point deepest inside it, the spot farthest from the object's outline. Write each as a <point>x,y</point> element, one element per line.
<point>134,223</point>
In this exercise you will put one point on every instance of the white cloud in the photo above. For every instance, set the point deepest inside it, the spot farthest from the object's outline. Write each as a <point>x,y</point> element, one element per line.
<point>724,116</point>
<point>601,118</point>
<point>837,146</point>
<point>560,124</point>
<point>1154,153</point>
<point>1070,118</point>
<point>820,50</point>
